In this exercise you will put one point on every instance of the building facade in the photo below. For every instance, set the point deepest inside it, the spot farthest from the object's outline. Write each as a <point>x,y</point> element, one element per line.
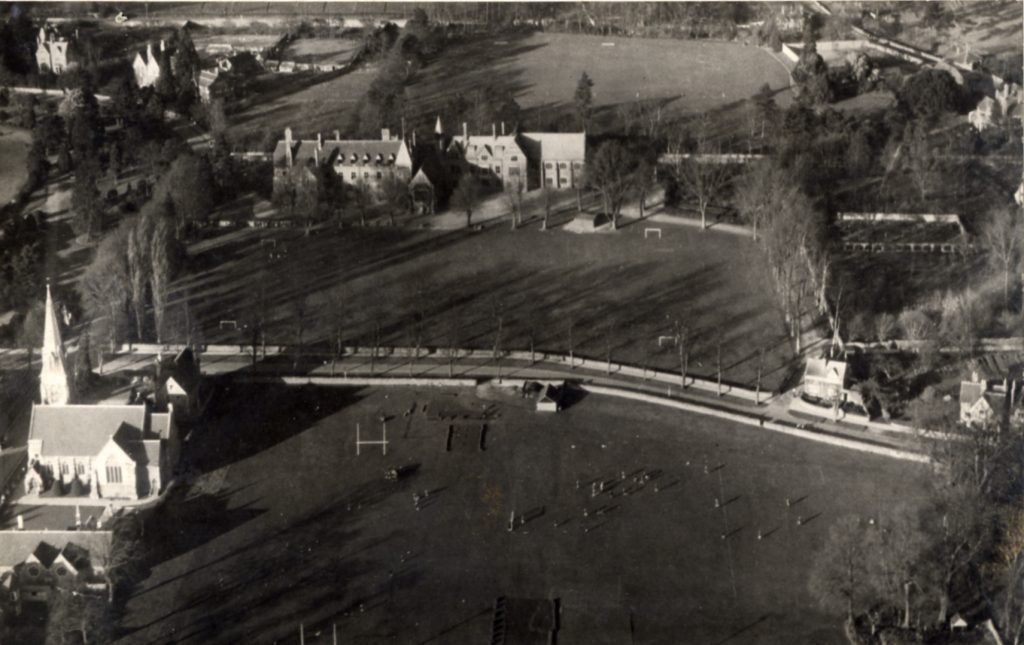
<point>53,52</point>
<point>357,162</point>
<point>103,451</point>
<point>146,66</point>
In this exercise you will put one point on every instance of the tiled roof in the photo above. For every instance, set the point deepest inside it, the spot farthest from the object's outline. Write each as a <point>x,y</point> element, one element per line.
<point>82,430</point>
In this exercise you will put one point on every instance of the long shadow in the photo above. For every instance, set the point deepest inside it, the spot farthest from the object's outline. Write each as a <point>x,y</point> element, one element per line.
<point>245,419</point>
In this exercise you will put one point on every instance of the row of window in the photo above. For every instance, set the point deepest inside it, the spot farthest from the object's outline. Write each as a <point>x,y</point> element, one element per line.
<point>564,165</point>
<point>65,469</point>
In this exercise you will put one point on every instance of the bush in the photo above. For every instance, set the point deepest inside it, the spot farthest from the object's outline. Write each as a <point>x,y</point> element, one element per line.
<point>885,327</point>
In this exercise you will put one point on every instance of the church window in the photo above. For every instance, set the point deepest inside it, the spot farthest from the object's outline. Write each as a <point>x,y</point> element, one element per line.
<point>114,474</point>
<point>80,469</point>
<point>379,175</point>
<point>513,158</point>
<point>64,470</point>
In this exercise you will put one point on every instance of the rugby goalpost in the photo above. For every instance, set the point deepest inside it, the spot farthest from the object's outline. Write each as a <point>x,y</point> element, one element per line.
<point>382,442</point>
<point>652,231</point>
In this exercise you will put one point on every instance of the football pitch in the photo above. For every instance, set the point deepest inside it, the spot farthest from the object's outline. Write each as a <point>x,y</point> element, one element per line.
<point>288,528</point>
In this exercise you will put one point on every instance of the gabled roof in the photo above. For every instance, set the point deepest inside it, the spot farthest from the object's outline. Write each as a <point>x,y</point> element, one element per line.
<point>17,546</point>
<point>366,152</point>
<point>826,370</point>
<point>45,553</point>
<point>971,392</point>
<point>83,430</point>
<point>558,145</point>
<point>475,144</point>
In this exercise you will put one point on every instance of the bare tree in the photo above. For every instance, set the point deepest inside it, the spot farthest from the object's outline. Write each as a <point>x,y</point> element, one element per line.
<point>701,176</point>
<point>465,197</point>
<point>612,174</point>
<point>839,574</point>
<point>1001,236</point>
<point>139,267</point>
<point>513,195</point>
<point>163,266</point>
<point>547,197</point>
<point>761,190</point>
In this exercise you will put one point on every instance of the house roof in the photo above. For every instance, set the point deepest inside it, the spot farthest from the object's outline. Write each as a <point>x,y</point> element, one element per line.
<point>559,145</point>
<point>46,553</point>
<point>971,392</point>
<point>369,152</point>
<point>49,518</point>
<point>16,546</point>
<point>83,430</point>
<point>477,144</point>
<point>824,369</point>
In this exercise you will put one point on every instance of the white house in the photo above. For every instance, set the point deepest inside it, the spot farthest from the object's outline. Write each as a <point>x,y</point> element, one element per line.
<point>53,52</point>
<point>146,66</point>
<point>825,379</point>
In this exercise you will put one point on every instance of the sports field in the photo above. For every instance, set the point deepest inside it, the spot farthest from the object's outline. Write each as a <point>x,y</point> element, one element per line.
<point>14,147</point>
<point>619,289</point>
<point>322,51</point>
<point>542,70</point>
<point>290,527</point>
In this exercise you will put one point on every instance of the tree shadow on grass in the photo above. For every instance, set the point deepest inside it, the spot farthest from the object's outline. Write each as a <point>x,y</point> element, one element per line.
<point>245,419</point>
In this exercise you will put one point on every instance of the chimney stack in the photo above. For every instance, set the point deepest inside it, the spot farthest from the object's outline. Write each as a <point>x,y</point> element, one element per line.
<point>413,138</point>
<point>494,132</point>
<point>162,47</point>
<point>316,156</point>
<point>319,142</point>
<point>385,134</point>
<point>502,128</point>
<point>337,135</point>
<point>288,145</point>
<point>465,132</point>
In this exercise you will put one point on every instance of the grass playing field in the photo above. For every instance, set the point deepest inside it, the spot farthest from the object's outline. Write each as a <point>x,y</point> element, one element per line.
<point>619,288</point>
<point>322,51</point>
<point>290,527</point>
<point>543,69</point>
<point>14,147</point>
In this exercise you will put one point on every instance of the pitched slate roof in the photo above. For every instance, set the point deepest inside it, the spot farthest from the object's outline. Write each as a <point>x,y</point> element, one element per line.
<point>16,546</point>
<point>970,392</point>
<point>46,553</point>
<point>485,144</point>
<point>362,152</point>
<point>82,430</point>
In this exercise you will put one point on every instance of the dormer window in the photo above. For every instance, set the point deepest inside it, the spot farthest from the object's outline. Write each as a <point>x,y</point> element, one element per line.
<point>354,158</point>
<point>391,157</point>
<point>380,158</point>
<point>483,157</point>
<point>366,157</point>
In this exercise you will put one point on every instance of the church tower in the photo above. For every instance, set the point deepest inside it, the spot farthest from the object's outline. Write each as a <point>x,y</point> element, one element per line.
<point>53,380</point>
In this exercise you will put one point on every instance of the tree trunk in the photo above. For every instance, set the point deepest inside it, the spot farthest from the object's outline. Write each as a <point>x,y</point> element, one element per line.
<point>703,215</point>
<point>906,605</point>
<point>943,607</point>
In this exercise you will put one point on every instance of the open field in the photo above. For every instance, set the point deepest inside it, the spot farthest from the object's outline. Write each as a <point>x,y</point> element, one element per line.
<point>688,76</point>
<point>619,288</point>
<point>289,526</point>
<point>986,27</point>
<point>306,102</point>
<point>322,51</point>
<point>14,146</point>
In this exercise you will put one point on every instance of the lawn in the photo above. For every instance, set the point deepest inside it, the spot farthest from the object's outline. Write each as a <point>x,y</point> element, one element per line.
<point>14,146</point>
<point>619,288</point>
<point>307,102</point>
<point>290,527</point>
<point>321,51</point>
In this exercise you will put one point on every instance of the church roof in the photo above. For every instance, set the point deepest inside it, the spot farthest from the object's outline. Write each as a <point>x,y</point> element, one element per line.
<point>83,430</point>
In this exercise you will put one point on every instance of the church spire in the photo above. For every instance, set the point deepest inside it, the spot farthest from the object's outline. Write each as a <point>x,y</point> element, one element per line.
<point>53,380</point>
<point>438,128</point>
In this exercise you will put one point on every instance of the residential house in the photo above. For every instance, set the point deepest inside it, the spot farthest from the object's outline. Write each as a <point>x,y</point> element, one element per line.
<point>146,66</point>
<point>103,451</point>
<point>356,162</point>
<point>207,79</point>
<point>54,53</point>
<point>987,400</point>
<point>985,114</point>
<point>825,380</point>
<point>33,564</point>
